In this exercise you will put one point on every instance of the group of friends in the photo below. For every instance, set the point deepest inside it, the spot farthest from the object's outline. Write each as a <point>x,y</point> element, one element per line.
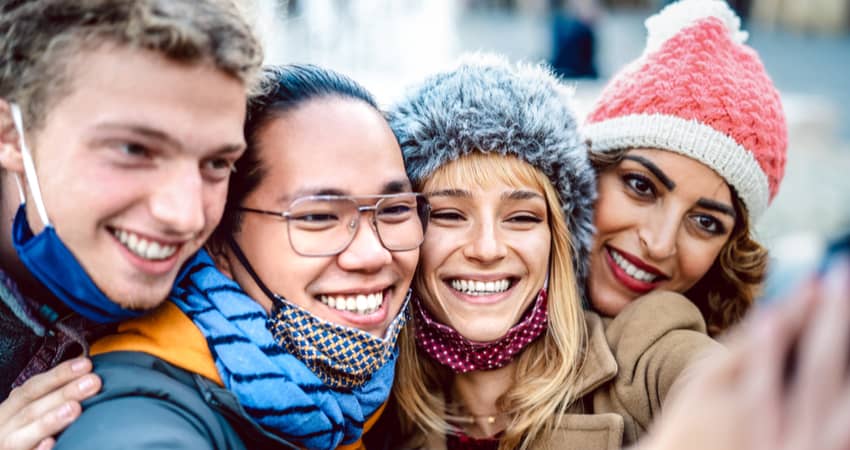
<point>262,257</point>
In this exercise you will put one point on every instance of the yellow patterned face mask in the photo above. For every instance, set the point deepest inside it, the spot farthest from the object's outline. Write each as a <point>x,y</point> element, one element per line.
<point>342,357</point>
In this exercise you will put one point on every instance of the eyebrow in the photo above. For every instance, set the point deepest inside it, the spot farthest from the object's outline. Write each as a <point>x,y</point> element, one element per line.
<point>717,206</point>
<point>154,134</point>
<point>654,169</point>
<point>520,194</point>
<point>390,187</point>
<point>449,193</point>
<point>397,187</point>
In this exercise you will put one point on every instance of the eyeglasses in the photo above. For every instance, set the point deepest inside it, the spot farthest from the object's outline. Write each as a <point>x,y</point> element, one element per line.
<point>325,225</point>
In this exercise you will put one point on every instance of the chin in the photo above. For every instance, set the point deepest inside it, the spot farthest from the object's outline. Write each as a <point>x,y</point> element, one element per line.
<point>613,306</point>
<point>141,298</point>
<point>482,335</point>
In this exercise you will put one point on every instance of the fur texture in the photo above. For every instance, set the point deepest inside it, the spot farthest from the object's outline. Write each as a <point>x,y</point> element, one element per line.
<point>489,105</point>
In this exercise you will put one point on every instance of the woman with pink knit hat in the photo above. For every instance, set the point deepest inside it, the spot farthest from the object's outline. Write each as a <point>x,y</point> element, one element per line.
<point>689,142</point>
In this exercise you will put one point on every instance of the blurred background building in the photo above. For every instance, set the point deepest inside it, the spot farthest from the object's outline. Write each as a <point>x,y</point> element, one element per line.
<point>805,45</point>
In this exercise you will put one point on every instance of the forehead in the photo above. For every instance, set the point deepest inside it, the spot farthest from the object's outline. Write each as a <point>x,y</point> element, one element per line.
<point>329,144</point>
<point>196,105</point>
<point>485,172</point>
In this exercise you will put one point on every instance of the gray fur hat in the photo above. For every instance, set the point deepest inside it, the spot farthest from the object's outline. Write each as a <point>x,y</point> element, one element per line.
<point>488,105</point>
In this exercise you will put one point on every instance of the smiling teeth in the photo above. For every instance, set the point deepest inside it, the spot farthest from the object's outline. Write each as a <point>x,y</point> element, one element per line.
<point>472,287</point>
<point>361,303</point>
<point>631,269</point>
<point>142,247</point>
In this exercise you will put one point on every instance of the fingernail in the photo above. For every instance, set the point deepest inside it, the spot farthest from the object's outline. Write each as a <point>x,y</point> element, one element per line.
<point>64,411</point>
<point>80,365</point>
<point>86,384</point>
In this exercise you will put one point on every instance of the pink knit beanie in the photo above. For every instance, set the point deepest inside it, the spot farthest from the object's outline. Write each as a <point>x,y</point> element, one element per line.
<point>699,91</point>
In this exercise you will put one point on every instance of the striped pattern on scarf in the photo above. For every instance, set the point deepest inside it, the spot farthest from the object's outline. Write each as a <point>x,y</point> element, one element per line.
<point>275,388</point>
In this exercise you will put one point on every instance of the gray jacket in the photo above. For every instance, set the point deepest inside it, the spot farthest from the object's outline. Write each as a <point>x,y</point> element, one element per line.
<point>147,403</point>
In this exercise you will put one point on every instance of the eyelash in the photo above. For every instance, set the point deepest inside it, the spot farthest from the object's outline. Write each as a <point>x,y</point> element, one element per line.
<point>720,229</point>
<point>446,215</point>
<point>523,218</point>
<point>456,216</point>
<point>628,180</point>
<point>135,154</point>
<point>134,150</point>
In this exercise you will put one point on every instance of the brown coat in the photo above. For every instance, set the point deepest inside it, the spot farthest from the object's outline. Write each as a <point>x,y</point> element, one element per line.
<point>632,362</point>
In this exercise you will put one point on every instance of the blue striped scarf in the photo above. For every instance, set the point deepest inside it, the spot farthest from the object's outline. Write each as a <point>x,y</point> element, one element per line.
<point>275,388</point>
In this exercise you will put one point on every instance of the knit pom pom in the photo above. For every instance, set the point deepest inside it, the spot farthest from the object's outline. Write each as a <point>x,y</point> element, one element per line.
<point>679,15</point>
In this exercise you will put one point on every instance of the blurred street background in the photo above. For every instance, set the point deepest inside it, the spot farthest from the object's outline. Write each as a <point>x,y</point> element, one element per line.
<point>805,45</point>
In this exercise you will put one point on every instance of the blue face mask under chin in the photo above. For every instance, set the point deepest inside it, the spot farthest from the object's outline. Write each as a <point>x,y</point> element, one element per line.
<point>50,261</point>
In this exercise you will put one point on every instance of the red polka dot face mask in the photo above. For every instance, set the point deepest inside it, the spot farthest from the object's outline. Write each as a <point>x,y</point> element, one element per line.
<point>449,348</point>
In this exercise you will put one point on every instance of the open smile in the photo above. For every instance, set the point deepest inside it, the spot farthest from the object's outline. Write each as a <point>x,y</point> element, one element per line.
<point>483,289</point>
<point>633,273</point>
<point>477,288</point>
<point>363,303</point>
<point>143,247</point>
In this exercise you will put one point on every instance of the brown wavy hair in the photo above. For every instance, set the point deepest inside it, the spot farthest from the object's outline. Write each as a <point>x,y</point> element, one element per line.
<point>727,291</point>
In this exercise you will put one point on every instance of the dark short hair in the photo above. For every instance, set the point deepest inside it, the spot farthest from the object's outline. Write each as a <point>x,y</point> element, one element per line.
<point>283,89</point>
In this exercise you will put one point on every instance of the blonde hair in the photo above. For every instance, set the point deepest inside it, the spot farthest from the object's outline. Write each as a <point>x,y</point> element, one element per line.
<point>547,371</point>
<point>40,39</point>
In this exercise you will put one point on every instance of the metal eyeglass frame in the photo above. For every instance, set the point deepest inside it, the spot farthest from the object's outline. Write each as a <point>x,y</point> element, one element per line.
<point>423,211</point>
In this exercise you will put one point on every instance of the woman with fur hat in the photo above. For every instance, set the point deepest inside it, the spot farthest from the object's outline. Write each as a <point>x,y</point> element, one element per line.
<point>680,179</point>
<point>501,353</point>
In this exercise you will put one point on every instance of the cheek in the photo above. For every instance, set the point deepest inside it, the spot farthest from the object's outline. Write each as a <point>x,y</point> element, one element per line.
<point>432,253</point>
<point>535,251</point>
<point>407,262</point>
<point>215,197</point>
<point>695,260</point>
<point>614,210</point>
<point>267,248</point>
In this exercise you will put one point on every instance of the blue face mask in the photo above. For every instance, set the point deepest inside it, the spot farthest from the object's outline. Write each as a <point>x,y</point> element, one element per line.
<point>49,260</point>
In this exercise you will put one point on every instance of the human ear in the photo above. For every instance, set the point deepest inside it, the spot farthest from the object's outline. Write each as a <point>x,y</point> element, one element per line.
<point>10,152</point>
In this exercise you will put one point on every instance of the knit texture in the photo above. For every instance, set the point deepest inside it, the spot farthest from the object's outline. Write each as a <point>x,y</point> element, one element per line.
<point>275,388</point>
<point>702,93</point>
<point>488,105</point>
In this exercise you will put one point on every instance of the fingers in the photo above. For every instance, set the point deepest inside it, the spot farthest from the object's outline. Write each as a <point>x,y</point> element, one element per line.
<point>823,354</point>
<point>835,432</point>
<point>45,405</point>
<point>43,384</point>
<point>61,399</point>
<point>39,432</point>
<point>46,444</point>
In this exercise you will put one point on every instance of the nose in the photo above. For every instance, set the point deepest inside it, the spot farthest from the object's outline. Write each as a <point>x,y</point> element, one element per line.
<point>659,232</point>
<point>485,244</point>
<point>365,253</point>
<point>177,202</point>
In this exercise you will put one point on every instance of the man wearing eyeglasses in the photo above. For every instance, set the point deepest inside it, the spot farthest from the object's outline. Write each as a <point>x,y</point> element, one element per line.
<point>290,318</point>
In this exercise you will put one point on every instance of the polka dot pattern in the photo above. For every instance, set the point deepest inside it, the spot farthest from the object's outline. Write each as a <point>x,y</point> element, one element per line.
<point>449,348</point>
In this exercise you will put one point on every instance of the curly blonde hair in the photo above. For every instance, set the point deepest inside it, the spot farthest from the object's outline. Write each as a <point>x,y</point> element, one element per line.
<point>547,371</point>
<point>727,291</point>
